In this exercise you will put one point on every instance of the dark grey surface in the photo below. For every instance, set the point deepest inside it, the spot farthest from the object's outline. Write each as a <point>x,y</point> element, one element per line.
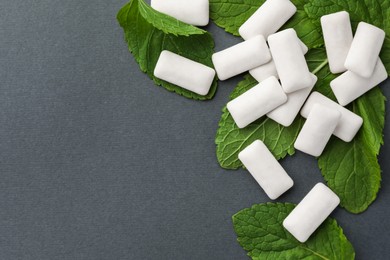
<point>96,162</point>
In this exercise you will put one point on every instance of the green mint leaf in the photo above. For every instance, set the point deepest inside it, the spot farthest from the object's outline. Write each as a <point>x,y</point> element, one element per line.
<point>370,11</point>
<point>148,32</point>
<point>231,14</point>
<point>260,232</point>
<point>231,140</point>
<point>352,169</point>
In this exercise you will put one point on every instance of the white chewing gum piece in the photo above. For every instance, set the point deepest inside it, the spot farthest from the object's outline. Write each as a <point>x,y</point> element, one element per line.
<point>266,170</point>
<point>289,61</point>
<point>287,112</point>
<point>256,102</point>
<point>304,48</point>
<point>311,212</point>
<point>195,12</point>
<point>317,130</point>
<point>349,123</point>
<point>338,37</point>
<point>184,72</point>
<point>264,71</point>
<point>241,57</point>
<point>365,48</point>
<point>267,19</point>
<point>349,86</point>
<point>267,70</point>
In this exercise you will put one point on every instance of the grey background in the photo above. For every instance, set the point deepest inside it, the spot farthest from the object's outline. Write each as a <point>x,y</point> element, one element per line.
<point>96,162</point>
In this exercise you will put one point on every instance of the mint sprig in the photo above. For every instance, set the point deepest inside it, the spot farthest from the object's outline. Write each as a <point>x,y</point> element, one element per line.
<point>148,32</point>
<point>350,169</point>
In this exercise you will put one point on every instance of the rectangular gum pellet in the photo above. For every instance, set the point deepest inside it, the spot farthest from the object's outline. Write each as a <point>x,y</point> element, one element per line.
<point>289,61</point>
<point>256,102</point>
<point>349,123</point>
<point>267,70</point>
<point>338,37</point>
<point>266,170</point>
<point>286,113</point>
<point>304,48</point>
<point>184,72</point>
<point>317,130</point>
<point>264,71</point>
<point>349,86</point>
<point>365,48</point>
<point>195,12</point>
<point>241,57</point>
<point>267,19</point>
<point>311,212</point>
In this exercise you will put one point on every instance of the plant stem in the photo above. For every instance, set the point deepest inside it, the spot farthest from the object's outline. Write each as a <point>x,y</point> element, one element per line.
<point>323,64</point>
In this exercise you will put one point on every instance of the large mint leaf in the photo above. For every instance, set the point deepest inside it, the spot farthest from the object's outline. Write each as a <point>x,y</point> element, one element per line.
<point>370,11</point>
<point>148,32</point>
<point>231,140</point>
<point>231,14</point>
<point>352,169</point>
<point>261,233</point>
